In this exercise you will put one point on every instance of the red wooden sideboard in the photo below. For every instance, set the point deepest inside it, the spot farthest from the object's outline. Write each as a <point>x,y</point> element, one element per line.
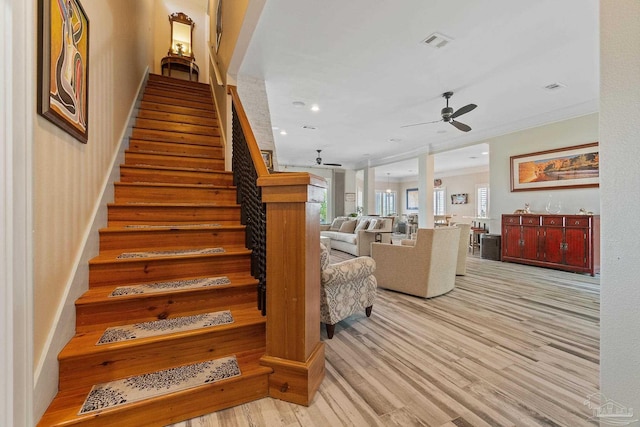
<point>564,242</point>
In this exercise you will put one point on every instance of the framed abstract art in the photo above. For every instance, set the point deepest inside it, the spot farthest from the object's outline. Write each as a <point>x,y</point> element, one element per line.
<point>63,66</point>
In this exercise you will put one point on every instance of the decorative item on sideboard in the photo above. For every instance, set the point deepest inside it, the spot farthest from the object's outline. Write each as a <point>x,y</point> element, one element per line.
<point>526,210</point>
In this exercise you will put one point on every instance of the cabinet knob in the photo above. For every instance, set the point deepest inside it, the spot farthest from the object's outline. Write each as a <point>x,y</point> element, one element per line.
<point>552,222</point>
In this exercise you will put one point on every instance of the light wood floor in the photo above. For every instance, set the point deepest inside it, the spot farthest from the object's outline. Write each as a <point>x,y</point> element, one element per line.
<point>511,345</point>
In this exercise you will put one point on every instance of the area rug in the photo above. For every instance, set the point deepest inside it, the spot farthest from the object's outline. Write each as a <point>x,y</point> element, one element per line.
<point>174,285</point>
<point>164,326</point>
<point>179,252</point>
<point>175,226</point>
<point>134,389</point>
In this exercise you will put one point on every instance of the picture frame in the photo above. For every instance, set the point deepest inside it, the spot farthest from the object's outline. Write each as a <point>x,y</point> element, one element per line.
<point>267,156</point>
<point>577,166</point>
<point>412,199</point>
<point>460,199</point>
<point>218,20</point>
<point>63,66</point>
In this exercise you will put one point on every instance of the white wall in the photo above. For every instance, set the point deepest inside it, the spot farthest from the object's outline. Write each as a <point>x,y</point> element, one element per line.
<point>620,184</point>
<point>253,94</point>
<point>454,183</point>
<point>580,130</point>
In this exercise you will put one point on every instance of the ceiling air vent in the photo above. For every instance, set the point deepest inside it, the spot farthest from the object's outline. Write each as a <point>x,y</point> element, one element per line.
<point>554,86</point>
<point>437,40</point>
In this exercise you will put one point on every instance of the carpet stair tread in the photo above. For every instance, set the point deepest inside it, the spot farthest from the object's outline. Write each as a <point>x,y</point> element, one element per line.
<point>110,256</point>
<point>84,344</point>
<point>101,294</point>
<point>172,407</point>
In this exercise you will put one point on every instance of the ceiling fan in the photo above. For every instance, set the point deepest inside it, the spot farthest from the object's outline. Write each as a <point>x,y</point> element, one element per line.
<point>319,161</point>
<point>448,115</point>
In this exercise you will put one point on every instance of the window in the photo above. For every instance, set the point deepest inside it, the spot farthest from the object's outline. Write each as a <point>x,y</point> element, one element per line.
<point>323,207</point>
<point>386,203</point>
<point>482,201</point>
<point>439,199</point>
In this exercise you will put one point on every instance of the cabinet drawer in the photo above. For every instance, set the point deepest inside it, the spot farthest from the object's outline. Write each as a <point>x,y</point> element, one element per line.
<point>530,220</point>
<point>555,221</point>
<point>577,221</point>
<point>511,219</point>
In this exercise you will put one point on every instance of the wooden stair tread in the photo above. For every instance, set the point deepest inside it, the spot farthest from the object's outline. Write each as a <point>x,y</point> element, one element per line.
<point>102,293</point>
<point>177,117</point>
<point>174,185</point>
<point>123,229</point>
<point>178,155</point>
<point>85,343</point>
<point>189,128</point>
<point>177,168</point>
<point>168,108</point>
<point>176,204</point>
<point>66,405</point>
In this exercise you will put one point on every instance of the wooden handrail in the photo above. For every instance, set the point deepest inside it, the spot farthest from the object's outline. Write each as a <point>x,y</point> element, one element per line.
<point>254,148</point>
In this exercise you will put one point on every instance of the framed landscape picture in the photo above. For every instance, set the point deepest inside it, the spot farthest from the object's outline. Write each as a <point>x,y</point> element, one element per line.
<point>63,66</point>
<point>571,167</point>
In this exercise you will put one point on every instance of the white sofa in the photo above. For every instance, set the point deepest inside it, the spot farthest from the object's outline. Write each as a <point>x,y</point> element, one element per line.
<point>357,241</point>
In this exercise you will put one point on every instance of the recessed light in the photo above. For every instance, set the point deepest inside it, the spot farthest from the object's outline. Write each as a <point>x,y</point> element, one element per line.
<point>315,107</point>
<point>484,153</point>
<point>298,104</point>
<point>309,127</point>
<point>283,132</point>
<point>274,128</point>
<point>473,157</point>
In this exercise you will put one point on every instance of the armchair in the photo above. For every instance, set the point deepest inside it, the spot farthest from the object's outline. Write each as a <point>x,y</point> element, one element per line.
<point>345,288</point>
<point>427,269</point>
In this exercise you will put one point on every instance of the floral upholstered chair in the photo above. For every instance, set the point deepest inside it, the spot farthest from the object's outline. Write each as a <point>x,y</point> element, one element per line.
<point>345,288</point>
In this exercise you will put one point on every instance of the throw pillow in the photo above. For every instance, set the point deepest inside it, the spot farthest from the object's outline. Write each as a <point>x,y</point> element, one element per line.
<point>373,224</point>
<point>348,226</point>
<point>335,225</point>
<point>362,225</point>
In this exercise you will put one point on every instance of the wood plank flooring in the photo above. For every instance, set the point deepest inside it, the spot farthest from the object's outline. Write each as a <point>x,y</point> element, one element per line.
<point>511,345</point>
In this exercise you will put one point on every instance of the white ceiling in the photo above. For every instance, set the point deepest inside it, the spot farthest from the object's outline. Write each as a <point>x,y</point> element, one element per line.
<point>364,64</point>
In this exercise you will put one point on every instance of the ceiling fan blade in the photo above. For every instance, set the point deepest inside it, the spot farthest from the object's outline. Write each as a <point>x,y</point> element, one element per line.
<point>461,126</point>
<point>420,124</point>
<point>463,110</point>
<point>333,164</point>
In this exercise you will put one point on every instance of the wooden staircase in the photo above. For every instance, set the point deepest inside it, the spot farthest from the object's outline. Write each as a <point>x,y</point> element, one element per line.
<point>173,195</point>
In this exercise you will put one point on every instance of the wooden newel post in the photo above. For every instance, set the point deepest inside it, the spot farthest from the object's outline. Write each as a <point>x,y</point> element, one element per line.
<point>294,350</point>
